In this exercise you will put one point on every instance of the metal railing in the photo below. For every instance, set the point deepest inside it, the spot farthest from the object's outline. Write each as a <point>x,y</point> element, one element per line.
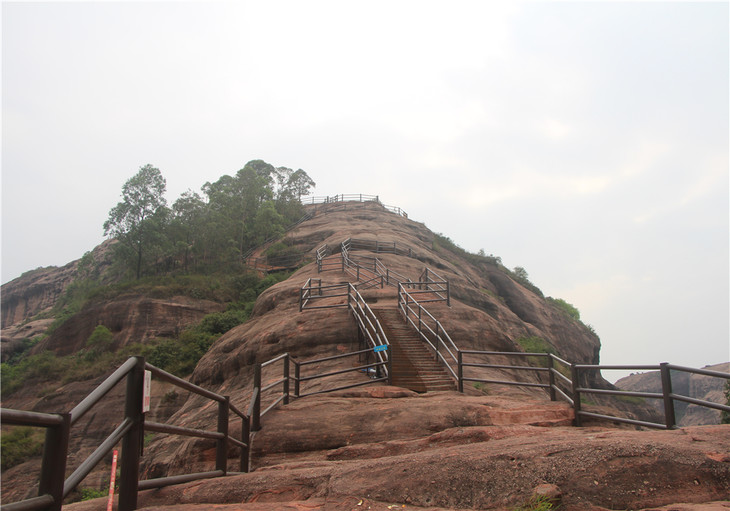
<point>342,199</point>
<point>558,383</point>
<point>380,247</point>
<point>433,283</point>
<point>367,277</point>
<point>372,336</point>
<point>269,263</point>
<point>432,332</point>
<point>667,395</point>
<point>53,488</point>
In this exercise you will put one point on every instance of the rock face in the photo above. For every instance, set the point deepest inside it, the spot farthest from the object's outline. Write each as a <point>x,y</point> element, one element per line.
<point>130,319</point>
<point>489,311</point>
<point>696,386</point>
<point>38,290</point>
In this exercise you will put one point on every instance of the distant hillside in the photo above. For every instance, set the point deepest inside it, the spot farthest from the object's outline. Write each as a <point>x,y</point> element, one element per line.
<point>691,385</point>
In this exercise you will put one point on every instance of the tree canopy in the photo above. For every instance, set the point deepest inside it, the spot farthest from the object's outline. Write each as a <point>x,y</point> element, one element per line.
<point>203,231</point>
<point>131,220</point>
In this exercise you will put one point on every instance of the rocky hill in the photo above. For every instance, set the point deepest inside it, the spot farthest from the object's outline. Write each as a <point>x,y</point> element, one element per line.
<point>695,386</point>
<point>497,443</point>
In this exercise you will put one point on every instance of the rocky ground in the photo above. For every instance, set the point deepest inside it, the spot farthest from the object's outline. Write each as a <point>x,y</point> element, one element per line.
<point>385,448</point>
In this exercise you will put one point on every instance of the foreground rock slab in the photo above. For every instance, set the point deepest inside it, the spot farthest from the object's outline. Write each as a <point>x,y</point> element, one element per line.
<point>594,468</point>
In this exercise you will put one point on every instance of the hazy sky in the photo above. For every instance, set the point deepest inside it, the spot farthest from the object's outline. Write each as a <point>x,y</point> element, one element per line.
<point>584,141</point>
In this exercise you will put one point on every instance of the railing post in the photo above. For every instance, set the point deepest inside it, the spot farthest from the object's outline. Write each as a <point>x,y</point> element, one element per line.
<point>221,447</point>
<point>460,370</point>
<point>301,298</point>
<point>256,415</point>
<point>132,441</point>
<point>389,365</point>
<point>448,294</point>
<point>669,418</point>
<point>574,373</point>
<point>53,468</point>
<point>296,378</point>
<point>246,439</point>
<point>551,377</point>
<point>285,390</point>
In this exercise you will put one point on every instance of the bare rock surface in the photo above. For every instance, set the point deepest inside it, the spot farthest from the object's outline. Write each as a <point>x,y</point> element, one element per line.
<point>593,468</point>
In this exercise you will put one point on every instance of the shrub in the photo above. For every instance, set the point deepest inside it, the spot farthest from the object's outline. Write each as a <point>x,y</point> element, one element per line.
<point>93,493</point>
<point>534,344</point>
<point>98,342</point>
<point>221,322</point>
<point>536,503</point>
<point>565,307</point>
<point>725,417</point>
<point>19,445</point>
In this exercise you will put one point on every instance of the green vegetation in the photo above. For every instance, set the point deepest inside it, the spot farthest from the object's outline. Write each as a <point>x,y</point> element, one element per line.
<point>201,234</point>
<point>565,307</point>
<point>136,220</point>
<point>442,243</point>
<point>93,493</point>
<point>20,444</point>
<point>633,400</point>
<point>519,274</point>
<point>177,355</point>
<point>481,387</point>
<point>534,344</point>
<point>537,503</point>
<point>98,343</point>
<point>725,416</point>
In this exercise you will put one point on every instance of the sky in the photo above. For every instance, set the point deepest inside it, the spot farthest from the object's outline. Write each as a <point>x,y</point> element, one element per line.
<point>587,142</point>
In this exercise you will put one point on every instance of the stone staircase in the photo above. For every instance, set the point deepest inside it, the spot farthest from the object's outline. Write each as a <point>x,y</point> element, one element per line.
<point>414,367</point>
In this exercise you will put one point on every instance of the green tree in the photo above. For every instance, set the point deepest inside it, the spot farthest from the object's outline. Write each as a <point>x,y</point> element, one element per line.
<point>131,220</point>
<point>187,226</point>
<point>725,418</point>
<point>300,184</point>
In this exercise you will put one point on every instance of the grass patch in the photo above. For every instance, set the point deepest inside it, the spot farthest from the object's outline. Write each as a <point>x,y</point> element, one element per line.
<point>20,444</point>
<point>537,503</point>
<point>633,400</point>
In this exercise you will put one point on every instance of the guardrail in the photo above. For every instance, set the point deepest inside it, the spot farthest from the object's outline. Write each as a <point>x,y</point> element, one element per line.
<point>432,332</point>
<point>667,395</point>
<point>269,263</point>
<point>342,199</point>
<point>439,286</point>
<point>546,365</point>
<point>53,488</point>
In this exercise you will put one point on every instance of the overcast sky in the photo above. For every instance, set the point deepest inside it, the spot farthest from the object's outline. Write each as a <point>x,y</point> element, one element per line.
<point>584,141</point>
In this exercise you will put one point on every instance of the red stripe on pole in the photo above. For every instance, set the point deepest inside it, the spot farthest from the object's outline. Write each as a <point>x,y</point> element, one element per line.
<point>112,480</point>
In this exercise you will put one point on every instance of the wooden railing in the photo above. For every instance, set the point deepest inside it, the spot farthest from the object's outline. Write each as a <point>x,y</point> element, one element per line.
<point>431,331</point>
<point>343,199</point>
<point>54,488</point>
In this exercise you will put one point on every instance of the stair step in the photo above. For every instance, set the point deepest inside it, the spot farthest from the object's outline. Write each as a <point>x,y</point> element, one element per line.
<point>414,365</point>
